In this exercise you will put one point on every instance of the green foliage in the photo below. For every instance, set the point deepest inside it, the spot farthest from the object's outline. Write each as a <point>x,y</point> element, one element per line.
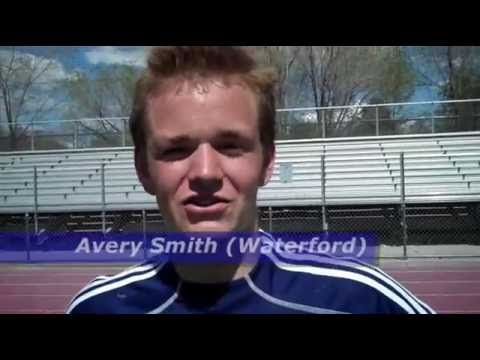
<point>105,92</point>
<point>395,79</point>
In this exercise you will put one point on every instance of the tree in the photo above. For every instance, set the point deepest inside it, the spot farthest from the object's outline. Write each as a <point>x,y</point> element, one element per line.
<point>105,92</point>
<point>27,88</point>
<point>454,71</point>
<point>284,60</point>
<point>462,82</point>
<point>348,75</point>
<point>393,81</point>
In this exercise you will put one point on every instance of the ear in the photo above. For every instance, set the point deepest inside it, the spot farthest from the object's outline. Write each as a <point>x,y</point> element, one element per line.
<point>269,163</point>
<point>141,166</point>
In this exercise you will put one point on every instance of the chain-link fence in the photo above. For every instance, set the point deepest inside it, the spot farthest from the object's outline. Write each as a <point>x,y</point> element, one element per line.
<point>429,230</point>
<point>14,237</point>
<point>378,119</point>
<point>421,230</point>
<point>67,134</point>
<point>296,123</point>
<point>383,221</point>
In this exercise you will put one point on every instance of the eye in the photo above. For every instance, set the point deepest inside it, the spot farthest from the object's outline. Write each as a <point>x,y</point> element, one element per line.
<point>230,149</point>
<point>175,153</point>
<point>176,150</point>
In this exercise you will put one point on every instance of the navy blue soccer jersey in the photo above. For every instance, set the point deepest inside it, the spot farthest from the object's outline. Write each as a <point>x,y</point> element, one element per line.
<point>278,284</point>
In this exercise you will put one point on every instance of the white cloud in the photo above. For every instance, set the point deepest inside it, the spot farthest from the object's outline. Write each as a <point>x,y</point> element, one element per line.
<point>309,117</point>
<point>117,55</point>
<point>458,61</point>
<point>55,71</point>
<point>40,98</point>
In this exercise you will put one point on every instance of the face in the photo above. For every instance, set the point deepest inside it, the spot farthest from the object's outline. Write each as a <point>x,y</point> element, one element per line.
<point>203,158</point>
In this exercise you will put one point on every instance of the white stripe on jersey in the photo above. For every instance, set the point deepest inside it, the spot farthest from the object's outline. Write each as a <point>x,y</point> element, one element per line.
<point>288,304</point>
<point>415,299</point>
<point>344,274</point>
<point>166,304</point>
<point>130,270</point>
<point>359,265</point>
<point>410,298</point>
<point>96,281</point>
<point>115,285</point>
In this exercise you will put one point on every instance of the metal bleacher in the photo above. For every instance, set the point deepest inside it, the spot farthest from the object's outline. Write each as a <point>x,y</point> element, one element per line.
<point>438,168</point>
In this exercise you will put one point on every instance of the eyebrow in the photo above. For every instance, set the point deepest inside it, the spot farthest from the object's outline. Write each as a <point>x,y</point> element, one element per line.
<point>182,139</point>
<point>231,134</point>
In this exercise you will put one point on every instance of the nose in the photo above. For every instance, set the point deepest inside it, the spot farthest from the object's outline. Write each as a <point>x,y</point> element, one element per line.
<point>205,173</point>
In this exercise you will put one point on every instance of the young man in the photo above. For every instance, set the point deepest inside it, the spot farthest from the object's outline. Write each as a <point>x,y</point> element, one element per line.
<point>203,128</point>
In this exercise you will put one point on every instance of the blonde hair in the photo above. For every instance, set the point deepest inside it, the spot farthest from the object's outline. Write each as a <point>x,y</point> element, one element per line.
<point>205,62</point>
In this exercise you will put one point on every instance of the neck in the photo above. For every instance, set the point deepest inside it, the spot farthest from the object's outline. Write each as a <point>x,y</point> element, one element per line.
<point>217,273</point>
<point>213,273</point>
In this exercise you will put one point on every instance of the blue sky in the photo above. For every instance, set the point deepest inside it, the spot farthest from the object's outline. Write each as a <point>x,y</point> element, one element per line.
<point>71,59</point>
<point>85,57</point>
<point>68,60</point>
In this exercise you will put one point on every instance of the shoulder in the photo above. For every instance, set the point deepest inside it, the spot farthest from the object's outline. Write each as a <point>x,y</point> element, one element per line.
<point>342,285</point>
<point>107,294</point>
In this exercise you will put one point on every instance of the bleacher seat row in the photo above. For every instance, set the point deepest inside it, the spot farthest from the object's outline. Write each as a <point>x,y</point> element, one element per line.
<point>438,167</point>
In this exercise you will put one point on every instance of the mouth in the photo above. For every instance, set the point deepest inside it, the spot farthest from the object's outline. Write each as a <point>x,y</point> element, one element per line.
<point>198,204</point>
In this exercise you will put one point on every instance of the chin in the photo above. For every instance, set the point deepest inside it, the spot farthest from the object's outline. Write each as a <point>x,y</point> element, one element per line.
<point>209,227</point>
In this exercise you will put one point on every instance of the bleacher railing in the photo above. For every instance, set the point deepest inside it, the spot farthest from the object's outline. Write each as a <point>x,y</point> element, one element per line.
<point>406,118</point>
<point>400,223</point>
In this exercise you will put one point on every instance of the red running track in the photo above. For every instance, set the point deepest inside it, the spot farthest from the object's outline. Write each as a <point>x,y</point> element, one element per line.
<point>447,286</point>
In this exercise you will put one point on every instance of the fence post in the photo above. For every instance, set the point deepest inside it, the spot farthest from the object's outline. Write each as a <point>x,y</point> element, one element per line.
<point>144,231</point>
<point>124,132</point>
<point>324,197</point>
<point>324,128</point>
<point>377,122</point>
<point>35,199</point>
<point>27,235</point>
<point>433,119</point>
<point>270,225</point>
<point>75,135</point>
<point>32,137</point>
<point>402,205</point>
<point>103,198</point>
